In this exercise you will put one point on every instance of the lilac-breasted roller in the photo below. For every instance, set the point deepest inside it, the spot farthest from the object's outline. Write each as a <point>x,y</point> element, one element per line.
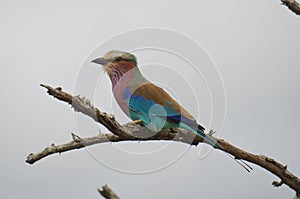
<point>145,102</point>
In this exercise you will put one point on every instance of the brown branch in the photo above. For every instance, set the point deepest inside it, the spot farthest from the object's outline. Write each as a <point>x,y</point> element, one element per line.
<point>134,132</point>
<point>83,105</point>
<point>107,193</point>
<point>293,5</point>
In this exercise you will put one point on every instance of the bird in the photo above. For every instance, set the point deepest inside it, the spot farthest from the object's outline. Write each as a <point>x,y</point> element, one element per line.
<point>143,101</point>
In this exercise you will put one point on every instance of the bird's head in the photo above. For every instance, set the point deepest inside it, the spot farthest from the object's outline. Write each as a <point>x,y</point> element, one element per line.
<point>117,62</point>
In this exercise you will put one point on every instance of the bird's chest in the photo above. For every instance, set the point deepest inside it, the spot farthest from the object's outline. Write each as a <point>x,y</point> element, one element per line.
<point>122,95</point>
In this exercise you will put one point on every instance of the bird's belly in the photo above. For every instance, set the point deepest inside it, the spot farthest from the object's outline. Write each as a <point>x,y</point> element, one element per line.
<point>123,104</point>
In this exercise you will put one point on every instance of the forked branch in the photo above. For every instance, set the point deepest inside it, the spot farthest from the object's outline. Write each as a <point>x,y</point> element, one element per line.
<point>135,132</point>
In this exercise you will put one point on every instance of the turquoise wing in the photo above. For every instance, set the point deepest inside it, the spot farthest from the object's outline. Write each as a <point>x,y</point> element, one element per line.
<point>155,107</point>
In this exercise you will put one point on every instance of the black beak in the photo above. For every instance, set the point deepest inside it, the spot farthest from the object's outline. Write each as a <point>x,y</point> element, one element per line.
<point>100,61</point>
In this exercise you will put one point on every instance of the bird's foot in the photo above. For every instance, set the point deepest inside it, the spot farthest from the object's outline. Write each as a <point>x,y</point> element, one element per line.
<point>137,121</point>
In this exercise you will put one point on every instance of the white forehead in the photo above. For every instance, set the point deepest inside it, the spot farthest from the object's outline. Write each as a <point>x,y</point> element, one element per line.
<point>113,54</point>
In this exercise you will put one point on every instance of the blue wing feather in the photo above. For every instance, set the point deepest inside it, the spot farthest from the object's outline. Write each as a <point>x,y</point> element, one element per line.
<point>140,109</point>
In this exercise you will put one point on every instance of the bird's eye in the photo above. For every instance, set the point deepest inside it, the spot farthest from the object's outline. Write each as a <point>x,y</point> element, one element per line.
<point>118,59</point>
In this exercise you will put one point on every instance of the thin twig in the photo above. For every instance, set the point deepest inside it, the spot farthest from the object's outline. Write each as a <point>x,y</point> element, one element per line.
<point>108,193</point>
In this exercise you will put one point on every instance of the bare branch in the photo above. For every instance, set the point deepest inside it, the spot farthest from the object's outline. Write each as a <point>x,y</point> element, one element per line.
<point>135,132</point>
<point>107,193</point>
<point>293,5</point>
<point>83,105</point>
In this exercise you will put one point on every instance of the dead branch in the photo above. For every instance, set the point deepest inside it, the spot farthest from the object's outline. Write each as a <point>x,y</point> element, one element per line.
<point>134,132</point>
<point>293,5</point>
<point>107,193</point>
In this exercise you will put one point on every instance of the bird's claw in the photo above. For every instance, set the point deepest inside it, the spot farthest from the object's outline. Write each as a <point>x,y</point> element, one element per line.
<point>137,121</point>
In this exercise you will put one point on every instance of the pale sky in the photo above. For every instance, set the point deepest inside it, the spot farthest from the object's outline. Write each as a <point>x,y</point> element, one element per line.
<point>253,45</point>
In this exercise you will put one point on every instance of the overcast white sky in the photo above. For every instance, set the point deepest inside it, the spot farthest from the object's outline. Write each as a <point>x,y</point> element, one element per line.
<point>254,44</point>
